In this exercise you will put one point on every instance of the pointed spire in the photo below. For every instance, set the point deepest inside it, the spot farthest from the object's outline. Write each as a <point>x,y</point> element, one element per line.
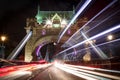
<point>38,15</point>
<point>73,9</point>
<point>38,10</point>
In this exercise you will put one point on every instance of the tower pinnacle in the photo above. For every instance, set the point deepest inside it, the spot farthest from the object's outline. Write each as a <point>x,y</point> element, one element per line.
<point>39,16</point>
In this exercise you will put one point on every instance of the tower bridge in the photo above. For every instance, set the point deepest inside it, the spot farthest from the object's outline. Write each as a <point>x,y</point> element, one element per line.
<point>84,52</point>
<point>46,27</point>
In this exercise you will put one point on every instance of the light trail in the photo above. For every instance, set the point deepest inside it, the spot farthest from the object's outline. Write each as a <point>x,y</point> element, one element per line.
<point>74,18</point>
<point>92,38</point>
<point>103,20</point>
<point>15,74</point>
<point>76,73</point>
<point>79,72</point>
<point>75,39</point>
<point>20,46</point>
<point>99,52</point>
<point>95,46</point>
<point>37,52</point>
<point>23,72</point>
<point>75,51</point>
<point>93,72</point>
<point>91,68</point>
<point>114,1</point>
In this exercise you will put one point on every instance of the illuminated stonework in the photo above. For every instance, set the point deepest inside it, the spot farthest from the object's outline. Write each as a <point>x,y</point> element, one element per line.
<point>46,27</point>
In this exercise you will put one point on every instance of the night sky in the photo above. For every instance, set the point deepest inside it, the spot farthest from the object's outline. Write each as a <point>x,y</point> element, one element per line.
<point>13,14</point>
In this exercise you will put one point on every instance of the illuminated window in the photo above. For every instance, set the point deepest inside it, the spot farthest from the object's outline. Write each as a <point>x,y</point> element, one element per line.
<point>63,23</point>
<point>56,20</point>
<point>49,23</point>
<point>43,32</point>
<point>69,31</point>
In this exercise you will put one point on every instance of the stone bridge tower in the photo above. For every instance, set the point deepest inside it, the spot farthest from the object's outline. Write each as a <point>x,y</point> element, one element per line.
<point>46,27</point>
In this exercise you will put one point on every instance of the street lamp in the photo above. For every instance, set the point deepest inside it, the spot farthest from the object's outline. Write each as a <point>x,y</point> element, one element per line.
<point>3,38</point>
<point>109,38</point>
<point>2,47</point>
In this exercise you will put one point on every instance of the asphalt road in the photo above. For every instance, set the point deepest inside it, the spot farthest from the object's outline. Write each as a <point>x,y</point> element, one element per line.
<point>45,73</point>
<point>57,71</point>
<point>53,73</point>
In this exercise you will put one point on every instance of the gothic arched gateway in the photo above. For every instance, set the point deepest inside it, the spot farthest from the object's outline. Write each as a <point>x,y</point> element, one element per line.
<point>46,28</point>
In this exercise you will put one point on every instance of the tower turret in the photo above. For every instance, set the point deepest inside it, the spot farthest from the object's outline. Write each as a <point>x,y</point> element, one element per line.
<point>39,16</point>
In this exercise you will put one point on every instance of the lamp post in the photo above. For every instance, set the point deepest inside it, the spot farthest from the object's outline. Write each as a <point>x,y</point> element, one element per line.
<point>2,47</point>
<point>109,38</point>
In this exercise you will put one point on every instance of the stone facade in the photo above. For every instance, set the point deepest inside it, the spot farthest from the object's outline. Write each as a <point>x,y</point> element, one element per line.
<point>45,29</point>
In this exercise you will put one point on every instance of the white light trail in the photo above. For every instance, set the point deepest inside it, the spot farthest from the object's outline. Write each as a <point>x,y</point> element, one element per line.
<point>93,72</point>
<point>74,18</point>
<point>92,19</point>
<point>20,72</point>
<point>86,74</point>
<point>20,46</point>
<point>76,73</point>
<point>37,52</point>
<point>94,37</point>
<point>99,52</point>
<point>103,20</point>
<point>78,51</point>
<point>91,68</point>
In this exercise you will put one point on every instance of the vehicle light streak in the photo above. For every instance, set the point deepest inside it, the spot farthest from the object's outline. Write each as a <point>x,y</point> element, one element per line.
<point>37,52</point>
<point>91,68</point>
<point>15,74</point>
<point>79,73</point>
<point>75,70</point>
<point>95,25</point>
<point>24,72</point>
<point>99,52</point>
<point>42,66</point>
<point>76,73</point>
<point>92,19</point>
<point>74,18</point>
<point>95,46</point>
<point>93,72</point>
<point>93,37</point>
<point>102,21</point>
<point>19,47</point>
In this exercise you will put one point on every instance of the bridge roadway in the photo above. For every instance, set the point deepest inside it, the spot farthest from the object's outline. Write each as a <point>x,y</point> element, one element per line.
<point>56,71</point>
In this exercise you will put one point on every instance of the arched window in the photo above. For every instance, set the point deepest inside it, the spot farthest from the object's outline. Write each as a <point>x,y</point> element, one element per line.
<point>63,23</point>
<point>56,21</point>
